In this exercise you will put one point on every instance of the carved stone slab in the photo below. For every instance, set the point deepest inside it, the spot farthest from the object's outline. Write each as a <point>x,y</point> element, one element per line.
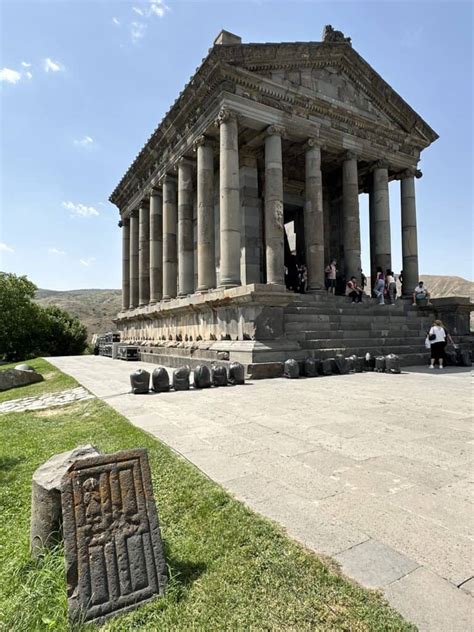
<point>112,541</point>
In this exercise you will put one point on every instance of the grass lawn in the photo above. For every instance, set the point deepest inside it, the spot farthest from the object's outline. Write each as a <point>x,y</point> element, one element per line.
<point>229,569</point>
<point>54,380</point>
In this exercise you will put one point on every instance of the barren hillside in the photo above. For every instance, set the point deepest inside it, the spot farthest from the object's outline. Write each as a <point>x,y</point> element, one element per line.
<point>96,308</point>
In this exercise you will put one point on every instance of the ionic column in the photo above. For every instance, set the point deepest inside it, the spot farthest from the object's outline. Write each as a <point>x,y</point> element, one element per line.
<point>125,226</point>
<point>381,222</point>
<point>350,217</point>
<point>134,260</point>
<point>206,264</point>
<point>144,253</point>
<point>409,231</point>
<point>185,228</point>
<point>169,238</point>
<point>273,208</point>
<point>373,267</point>
<point>156,246</point>
<point>229,200</point>
<point>314,217</point>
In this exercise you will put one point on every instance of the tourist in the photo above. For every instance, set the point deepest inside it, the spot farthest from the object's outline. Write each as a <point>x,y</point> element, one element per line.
<point>391,286</point>
<point>437,340</point>
<point>421,296</point>
<point>331,274</point>
<point>354,291</point>
<point>379,286</point>
<point>363,281</point>
<point>302,278</point>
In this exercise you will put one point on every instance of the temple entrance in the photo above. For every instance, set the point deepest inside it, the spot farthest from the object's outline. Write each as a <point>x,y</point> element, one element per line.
<point>295,263</point>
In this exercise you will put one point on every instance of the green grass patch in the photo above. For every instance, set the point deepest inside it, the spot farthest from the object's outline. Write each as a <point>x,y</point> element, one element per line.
<point>54,380</point>
<point>229,569</point>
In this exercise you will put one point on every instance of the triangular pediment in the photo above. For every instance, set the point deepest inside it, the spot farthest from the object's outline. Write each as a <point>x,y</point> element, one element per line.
<point>334,73</point>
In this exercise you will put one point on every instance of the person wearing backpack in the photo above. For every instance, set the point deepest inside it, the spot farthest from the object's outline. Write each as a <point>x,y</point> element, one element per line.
<point>437,338</point>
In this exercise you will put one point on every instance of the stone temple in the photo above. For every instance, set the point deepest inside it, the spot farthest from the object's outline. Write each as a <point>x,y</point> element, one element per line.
<point>259,163</point>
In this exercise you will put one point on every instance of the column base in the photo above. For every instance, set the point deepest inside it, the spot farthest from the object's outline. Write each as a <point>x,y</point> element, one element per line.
<point>228,284</point>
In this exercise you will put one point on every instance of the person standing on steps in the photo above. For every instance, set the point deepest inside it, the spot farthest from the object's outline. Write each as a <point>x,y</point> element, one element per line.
<point>363,281</point>
<point>437,338</point>
<point>391,286</point>
<point>379,286</point>
<point>331,274</point>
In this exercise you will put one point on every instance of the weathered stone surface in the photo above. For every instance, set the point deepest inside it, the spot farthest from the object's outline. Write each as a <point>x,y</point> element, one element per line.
<point>11,378</point>
<point>46,497</point>
<point>114,554</point>
<point>47,400</point>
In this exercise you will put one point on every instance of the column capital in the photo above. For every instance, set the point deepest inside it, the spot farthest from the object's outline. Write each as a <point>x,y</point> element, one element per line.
<point>167,178</point>
<point>313,142</point>
<point>275,130</point>
<point>411,172</point>
<point>351,155</point>
<point>183,161</point>
<point>225,115</point>
<point>203,141</point>
<point>155,190</point>
<point>145,201</point>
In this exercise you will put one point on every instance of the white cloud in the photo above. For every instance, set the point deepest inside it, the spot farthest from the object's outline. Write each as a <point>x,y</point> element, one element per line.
<point>87,262</point>
<point>5,248</point>
<point>137,31</point>
<point>159,8</point>
<point>28,74</point>
<point>55,251</point>
<point>25,64</point>
<point>80,210</point>
<point>87,141</point>
<point>52,66</point>
<point>116,21</point>
<point>9,75</point>
<point>137,10</point>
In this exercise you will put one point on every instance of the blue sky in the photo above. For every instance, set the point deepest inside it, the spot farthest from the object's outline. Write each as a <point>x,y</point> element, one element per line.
<point>83,85</point>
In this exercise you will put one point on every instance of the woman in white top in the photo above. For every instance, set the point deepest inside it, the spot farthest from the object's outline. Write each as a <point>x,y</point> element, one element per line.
<point>391,286</point>
<point>438,338</point>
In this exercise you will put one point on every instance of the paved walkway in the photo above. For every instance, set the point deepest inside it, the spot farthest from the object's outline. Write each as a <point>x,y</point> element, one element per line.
<point>374,470</point>
<point>61,398</point>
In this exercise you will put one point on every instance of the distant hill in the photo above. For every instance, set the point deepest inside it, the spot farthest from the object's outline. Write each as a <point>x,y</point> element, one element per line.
<point>96,308</point>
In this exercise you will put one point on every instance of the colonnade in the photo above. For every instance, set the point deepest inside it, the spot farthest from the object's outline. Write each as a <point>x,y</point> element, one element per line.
<point>158,242</point>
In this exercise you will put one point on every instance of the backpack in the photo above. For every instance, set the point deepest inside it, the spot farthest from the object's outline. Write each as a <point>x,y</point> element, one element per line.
<point>181,379</point>
<point>202,376</point>
<point>140,382</point>
<point>236,373</point>
<point>160,380</point>
<point>310,367</point>
<point>218,375</point>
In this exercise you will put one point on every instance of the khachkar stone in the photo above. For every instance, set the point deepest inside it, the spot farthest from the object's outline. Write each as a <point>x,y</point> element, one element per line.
<point>133,260</point>
<point>185,228</point>
<point>46,512</point>
<point>169,238</point>
<point>409,231</point>
<point>112,542</point>
<point>229,199</point>
<point>206,265</point>
<point>144,254</point>
<point>156,245</point>
<point>274,226</point>
<point>125,226</point>
<point>381,220</point>
<point>314,217</point>
<point>350,217</point>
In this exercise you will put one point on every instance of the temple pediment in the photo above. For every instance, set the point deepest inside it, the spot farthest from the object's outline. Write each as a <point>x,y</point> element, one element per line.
<point>333,72</point>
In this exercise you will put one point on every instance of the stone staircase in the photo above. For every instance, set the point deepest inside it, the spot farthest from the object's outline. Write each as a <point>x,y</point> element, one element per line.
<point>327,325</point>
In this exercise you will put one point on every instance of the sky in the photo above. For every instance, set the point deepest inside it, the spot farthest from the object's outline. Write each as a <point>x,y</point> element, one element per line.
<point>84,83</point>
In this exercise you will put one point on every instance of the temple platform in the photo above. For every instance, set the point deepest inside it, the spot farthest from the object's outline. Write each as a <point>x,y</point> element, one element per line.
<point>261,326</point>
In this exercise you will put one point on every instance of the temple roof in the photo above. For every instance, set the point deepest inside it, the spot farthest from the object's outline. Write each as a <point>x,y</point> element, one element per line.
<point>334,49</point>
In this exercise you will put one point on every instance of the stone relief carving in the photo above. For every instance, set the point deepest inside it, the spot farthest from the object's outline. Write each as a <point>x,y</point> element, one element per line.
<point>330,35</point>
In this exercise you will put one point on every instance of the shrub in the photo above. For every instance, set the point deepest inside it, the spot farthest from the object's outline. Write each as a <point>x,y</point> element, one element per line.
<point>28,330</point>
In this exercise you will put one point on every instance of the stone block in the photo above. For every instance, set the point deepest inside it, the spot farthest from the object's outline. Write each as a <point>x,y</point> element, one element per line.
<point>112,541</point>
<point>46,497</point>
<point>11,378</point>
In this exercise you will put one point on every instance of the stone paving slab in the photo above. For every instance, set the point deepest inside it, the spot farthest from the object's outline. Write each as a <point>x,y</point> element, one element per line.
<point>47,400</point>
<point>348,465</point>
<point>374,564</point>
<point>431,602</point>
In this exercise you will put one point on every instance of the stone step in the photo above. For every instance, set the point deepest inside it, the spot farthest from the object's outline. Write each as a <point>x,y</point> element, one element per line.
<point>359,343</point>
<point>350,308</point>
<point>373,349</point>
<point>373,326</point>
<point>343,334</point>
